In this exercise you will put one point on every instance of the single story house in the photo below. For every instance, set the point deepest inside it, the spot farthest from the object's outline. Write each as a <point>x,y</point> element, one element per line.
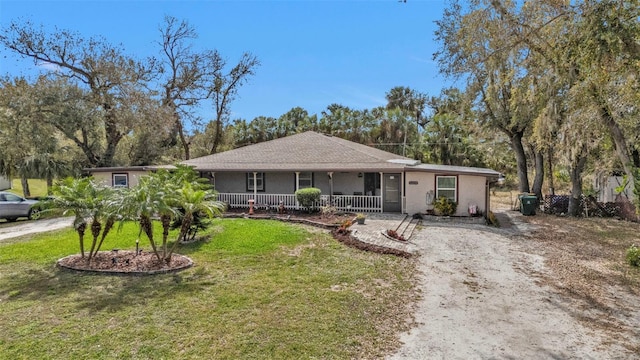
<point>120,177</point>
<point>351,176</point>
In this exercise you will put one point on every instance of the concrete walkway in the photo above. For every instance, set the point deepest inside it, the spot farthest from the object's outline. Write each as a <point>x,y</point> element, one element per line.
<point>372,232</point>
<point>376,225</point>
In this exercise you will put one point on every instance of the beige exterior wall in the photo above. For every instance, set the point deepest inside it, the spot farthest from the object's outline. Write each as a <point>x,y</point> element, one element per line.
<point>417,186</point>
<point>106,178</point>
<point>470,190</point>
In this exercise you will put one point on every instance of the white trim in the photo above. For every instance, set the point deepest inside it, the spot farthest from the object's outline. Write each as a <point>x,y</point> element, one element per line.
<point>126,180</point>
<point>304,178</point>
<point>454,188</point>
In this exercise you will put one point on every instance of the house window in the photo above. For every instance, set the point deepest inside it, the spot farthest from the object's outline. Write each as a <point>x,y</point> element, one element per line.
<point>120,180</point>
<point>447,186</point>
<point>305,180</point>
<point>259,184</point>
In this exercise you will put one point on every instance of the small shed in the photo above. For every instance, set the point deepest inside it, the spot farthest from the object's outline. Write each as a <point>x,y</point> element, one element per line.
<point>608,185</point>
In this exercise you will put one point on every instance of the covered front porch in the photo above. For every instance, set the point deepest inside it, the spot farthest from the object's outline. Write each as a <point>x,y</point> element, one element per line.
<point>346,191</point>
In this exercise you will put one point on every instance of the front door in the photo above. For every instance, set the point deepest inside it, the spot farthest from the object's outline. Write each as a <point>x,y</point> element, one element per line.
<point>392,196</point>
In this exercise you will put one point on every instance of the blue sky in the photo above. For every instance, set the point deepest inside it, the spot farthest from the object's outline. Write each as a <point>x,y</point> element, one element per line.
<point>313,53</point>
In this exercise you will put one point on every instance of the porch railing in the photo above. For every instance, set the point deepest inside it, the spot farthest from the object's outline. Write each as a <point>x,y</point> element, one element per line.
<point>353,203</point>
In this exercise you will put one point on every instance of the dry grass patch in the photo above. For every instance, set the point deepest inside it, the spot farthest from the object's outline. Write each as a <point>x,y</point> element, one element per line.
<point>585,259</point>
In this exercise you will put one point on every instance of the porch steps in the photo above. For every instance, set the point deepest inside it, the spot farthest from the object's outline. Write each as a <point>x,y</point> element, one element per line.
<point>407,227</point>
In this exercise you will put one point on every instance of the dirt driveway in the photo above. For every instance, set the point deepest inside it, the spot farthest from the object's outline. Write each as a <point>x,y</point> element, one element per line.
<point>482,300</point>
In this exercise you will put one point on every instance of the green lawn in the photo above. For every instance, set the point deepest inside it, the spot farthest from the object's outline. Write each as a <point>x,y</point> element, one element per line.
<point>38,187</point>
<point>259,290</point>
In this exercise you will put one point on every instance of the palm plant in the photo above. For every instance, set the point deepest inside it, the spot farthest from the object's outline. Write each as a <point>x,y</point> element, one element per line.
<point>168,184</point>
<point>195,200</point>
<point>161,194</point>
<point>85,200</point>
<point>151,196</point>
<point>101,211</point>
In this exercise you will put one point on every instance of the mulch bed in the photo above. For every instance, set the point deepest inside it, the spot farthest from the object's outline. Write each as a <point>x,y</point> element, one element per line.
<point>126,263</point>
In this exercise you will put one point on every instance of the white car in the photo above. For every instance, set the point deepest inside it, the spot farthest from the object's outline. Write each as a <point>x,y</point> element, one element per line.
<point>13,206</point>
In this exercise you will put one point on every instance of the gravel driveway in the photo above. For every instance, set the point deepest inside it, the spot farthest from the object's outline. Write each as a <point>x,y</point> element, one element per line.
<point>34,226</point>
<point>480,302</point>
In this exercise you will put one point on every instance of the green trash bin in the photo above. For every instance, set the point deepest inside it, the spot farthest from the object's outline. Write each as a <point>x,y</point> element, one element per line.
<point>528,204</point>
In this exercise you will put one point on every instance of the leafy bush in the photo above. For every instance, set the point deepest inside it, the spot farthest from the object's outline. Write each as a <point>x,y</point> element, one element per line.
<point>444,206</point>
<point>633,255</point>
<point>308,197</point>
<point>200,222</point>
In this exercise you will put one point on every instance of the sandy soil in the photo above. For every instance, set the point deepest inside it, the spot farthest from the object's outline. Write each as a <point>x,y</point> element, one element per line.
<point>483,299</point>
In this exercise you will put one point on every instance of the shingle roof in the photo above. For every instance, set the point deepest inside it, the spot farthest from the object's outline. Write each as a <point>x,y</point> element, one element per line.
<point>450,169</point>
<point>305,151</point>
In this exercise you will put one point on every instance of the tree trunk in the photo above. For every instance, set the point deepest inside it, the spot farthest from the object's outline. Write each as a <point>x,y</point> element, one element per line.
<point>619,141</point>
<point>575,174</point>
<point>550,159</point>
<point>107,158</point>
<point>25,186</point>
<point>49,184</point>
<point>217,136</point>
<point>112,137</point>
<point>183,140</point>
<point>539,177</point>
<point>147,227</point>
<point>521,160</point>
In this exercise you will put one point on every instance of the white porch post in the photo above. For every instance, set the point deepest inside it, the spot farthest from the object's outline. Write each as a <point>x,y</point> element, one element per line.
<point>330,174</point>
<point>296,188</point>
<point>381,191</point>
<point>255,187</point>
